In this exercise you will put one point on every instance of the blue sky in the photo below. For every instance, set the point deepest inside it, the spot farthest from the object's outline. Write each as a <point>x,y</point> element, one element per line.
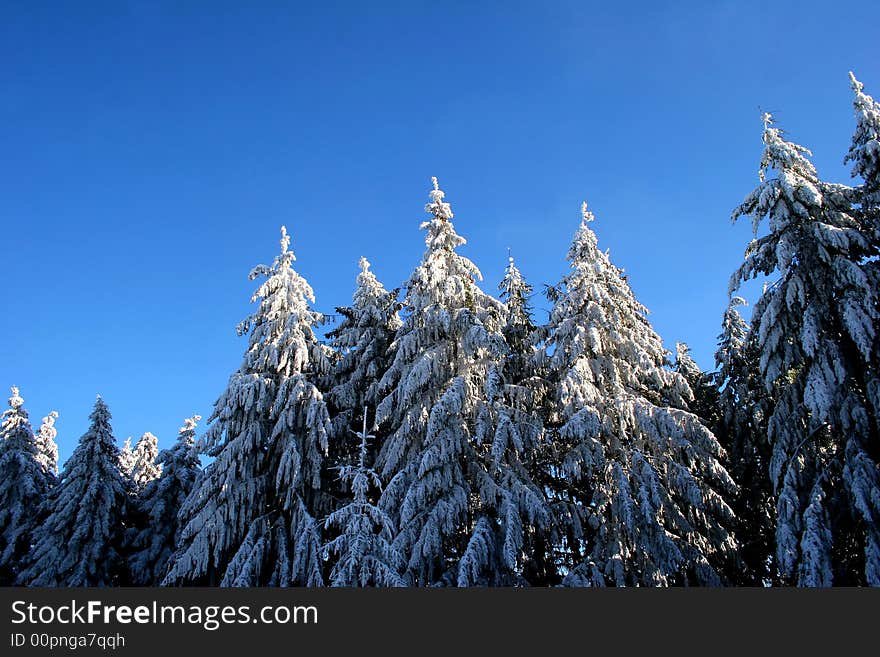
<point>151,150</point>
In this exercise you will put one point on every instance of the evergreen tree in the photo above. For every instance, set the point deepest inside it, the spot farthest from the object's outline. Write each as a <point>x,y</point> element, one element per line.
<point>47,449</point>
<point>508,542</point>
<point>251,517</point>
<point>362,341</point>
<point>126,459</point>
<point>704,402</point>
<point>160,504</point>
<point>442,354</point>
<point>517,454</point>
<point>23,488</point>
<point>644,488</point>
<point>363,546</point>
<point>864,152</point>
<point>742,431</point>
<point>816,333</point>
<point>144,468</point>
<point>519,325</point>
<point>79,542</point>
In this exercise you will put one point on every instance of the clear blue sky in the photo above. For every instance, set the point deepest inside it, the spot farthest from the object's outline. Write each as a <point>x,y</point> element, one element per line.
<point>149,152</point>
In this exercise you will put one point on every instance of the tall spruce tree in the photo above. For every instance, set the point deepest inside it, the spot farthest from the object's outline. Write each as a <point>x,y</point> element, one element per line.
<point>23,488</point>
<point>251,518</point>
<point>816,334</point>
<point>362,341</point>
<point>47,449</point>
<point>516,449</point>
<point>79,543</point>
<point>450,338</point>
<point>160,503</point>
<point>644,488</point>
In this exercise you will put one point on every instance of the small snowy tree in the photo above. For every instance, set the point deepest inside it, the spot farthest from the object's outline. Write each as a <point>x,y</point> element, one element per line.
<point>126,459</point>
<point>864,153</point>
<point>160,503</point>
<point>742,431</point>
<point>251,517</point>
<point>519,325</point>
<point>79,542</point>
<point>816,334</point>
<point>442,354</point>
<point>47,449</point>
<point>704,403</point>
<point>642,479</point>
<point>365,555</point>
<point>362,341</point>
<point>144,468</point>
<point>23,488</point>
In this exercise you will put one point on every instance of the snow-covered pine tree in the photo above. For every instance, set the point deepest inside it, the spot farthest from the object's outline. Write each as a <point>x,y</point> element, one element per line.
<point>515,456</point>
<point>704,403</point>
<point>23,488</point>
<point>519,325</point>
<point>816,329</point>
<point>364,550</point>
<point>126,459</point>
<point>79,542</point>
<point>251,517</point>
<point>47,449</point>
<point>864,152</point>
<point>509,543</point>
<point>160,503</point>
<point>450,338</point>
<point>642,478</point>
<point>144,468</point>
<point>742,431</point>
<point>138,468</point>
<point>362,341</point>
<point>736,369</point>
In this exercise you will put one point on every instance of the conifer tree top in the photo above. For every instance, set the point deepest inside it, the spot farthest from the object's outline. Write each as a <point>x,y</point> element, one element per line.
<point>864,152</point>
<point>438,207</point>
<point>189,426</point>
<point>16,428</point>
<point>784,156</point>
<point>15,401</point>
<point>515,292</point>
<point>734,331</point>
<point>512,272</point>
<point>441,234</point>
<point>585,241</point>
<point>367,283</point>
<point>46,447</point>
<point>281,336</point>
<point>444,278</point>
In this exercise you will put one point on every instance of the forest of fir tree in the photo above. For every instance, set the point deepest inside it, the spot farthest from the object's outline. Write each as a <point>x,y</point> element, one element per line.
<point>442,436</point>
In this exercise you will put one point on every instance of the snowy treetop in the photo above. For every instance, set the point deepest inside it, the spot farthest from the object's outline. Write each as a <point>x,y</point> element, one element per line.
<point>864,152</point>
<point>281,335</point>
<point>15,401</point>
<point>189,424</point>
